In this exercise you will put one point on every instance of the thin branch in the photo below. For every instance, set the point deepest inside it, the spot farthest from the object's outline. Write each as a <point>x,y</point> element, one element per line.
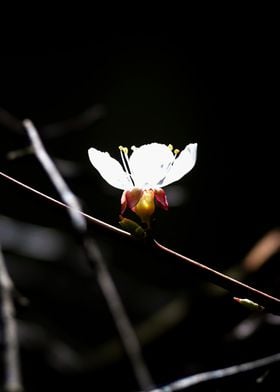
<point>126,331</point>
<point>89,217</point>
<point>12,380</point>
<point>218,374</point>
<point>272,304</point>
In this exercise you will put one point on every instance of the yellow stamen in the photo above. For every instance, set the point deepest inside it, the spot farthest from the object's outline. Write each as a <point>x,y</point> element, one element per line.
<point>170,147</point>
<point>176,151</point>
<point>125,162</point>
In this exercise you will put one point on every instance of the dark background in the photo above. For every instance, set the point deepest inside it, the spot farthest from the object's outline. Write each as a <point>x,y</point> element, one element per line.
<point>217,86</point>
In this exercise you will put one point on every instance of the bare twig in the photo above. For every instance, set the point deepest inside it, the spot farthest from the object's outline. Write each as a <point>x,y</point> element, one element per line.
<point>126,331</point>
<point>89,217</point>
<point>12,380</point>
<point>217,374</point>
<point>272,304</point>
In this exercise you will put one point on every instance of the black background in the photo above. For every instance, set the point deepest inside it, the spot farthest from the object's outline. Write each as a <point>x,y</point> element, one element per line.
<point>216,85</point>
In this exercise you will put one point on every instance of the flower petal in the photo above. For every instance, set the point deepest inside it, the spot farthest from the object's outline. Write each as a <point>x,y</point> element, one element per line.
<point>109,168</point>
<point>182,165</point>
<point>149,164</point>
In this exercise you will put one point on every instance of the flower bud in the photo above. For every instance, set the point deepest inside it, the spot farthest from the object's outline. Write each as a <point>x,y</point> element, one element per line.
<point>249,304</point>
<point>132,227</point>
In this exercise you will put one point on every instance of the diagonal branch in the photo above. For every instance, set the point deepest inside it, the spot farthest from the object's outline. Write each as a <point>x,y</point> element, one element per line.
<point>98,222</point>
<point>12,380</point>
<point>271,303</point>
<point>96,260</point>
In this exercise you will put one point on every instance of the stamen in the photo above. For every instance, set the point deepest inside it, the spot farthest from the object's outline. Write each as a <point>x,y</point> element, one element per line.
<point>124,157</point>
<point>170,147</point>
<point>176,152</point>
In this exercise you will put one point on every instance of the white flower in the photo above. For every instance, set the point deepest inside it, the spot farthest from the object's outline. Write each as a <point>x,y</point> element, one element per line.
<point>148,169</point>
<point>150,166</point>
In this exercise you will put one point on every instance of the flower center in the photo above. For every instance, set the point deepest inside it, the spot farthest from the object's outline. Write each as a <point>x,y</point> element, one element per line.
<point>149,165</point>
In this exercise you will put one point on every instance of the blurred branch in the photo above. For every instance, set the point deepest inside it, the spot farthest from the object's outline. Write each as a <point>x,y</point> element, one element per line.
<point>78,122</point>
<point>81,121</point>
<point>96,260</point>
<point>11,122</point>
<point>69,359</point>
<point>62,188</point>
<point>262,251</point>
<point>218,374</point>
<point>12,381</point>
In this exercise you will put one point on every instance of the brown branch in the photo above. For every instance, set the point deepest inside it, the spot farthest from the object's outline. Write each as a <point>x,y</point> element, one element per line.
<point>271,304</point>
<point>98,222</point>
<point>238,289</point>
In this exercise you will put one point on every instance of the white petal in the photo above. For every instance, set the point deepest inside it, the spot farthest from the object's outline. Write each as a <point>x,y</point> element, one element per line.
<point>149,164</point>
<point>182,165</point>
<point>109,168</point>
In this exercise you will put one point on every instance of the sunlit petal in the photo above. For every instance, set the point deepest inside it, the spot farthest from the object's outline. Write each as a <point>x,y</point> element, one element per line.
<point>182,165</point>
<point>149,164</point>
<point>109,168</point>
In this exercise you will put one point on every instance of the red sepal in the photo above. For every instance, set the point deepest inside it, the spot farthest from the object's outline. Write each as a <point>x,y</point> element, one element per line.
<point>123,202</point>
<point>161,198</point>
<point>133,197</point>
<point>130,199</point>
